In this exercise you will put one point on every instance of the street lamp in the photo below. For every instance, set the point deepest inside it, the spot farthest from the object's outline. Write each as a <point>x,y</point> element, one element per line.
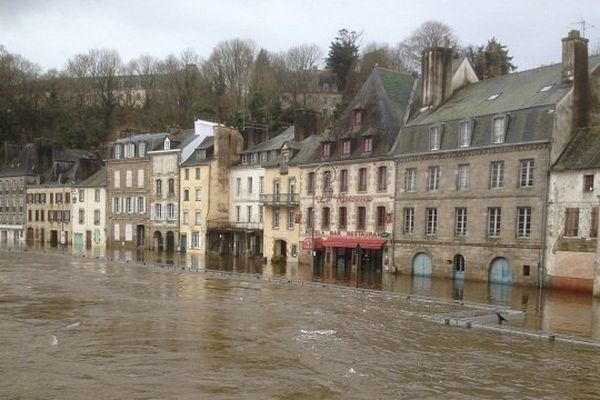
<point>358,262</point>
<point>326,190</point>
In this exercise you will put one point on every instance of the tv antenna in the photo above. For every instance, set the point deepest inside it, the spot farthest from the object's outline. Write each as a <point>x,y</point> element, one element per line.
<point>583,23</point>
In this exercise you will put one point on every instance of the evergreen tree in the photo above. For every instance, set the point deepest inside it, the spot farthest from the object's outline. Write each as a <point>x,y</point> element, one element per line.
<point>343,55</point>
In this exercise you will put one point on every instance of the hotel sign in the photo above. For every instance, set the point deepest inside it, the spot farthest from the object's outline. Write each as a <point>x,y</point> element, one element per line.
<point>344,198</point>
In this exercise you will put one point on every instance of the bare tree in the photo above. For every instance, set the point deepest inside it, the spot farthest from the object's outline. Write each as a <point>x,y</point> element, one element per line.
<point>301,62</point>
<point>428,34</point>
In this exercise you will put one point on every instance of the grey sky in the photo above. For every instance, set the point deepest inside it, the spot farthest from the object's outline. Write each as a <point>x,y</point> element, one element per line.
<point>48,32</point>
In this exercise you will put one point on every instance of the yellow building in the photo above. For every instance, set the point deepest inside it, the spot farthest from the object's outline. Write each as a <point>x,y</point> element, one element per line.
<point>204,194</point>
<point>281,200</point>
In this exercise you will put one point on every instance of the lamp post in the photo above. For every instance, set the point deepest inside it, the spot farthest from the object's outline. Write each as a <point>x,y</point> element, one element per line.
<point>329,190</point>
<point>358,262</point>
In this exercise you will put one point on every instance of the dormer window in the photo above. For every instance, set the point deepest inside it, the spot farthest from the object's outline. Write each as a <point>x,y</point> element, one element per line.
<point>345,147</point>
<point>326,149</point>
<point>117,151</point>
<point>498,129</point>
<point>142,149</point>
<point>167,144</point>
<point>464,133</point>
<point>129,150</point>
<point>283,164</point>
<point>367,144</point>
<point>435,137</point>
<point>357,117</point>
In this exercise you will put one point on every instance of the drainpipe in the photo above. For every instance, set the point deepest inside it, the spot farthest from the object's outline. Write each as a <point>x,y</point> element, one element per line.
<point>542,262</point>
<point>208,208</point>
<point>394,216</point>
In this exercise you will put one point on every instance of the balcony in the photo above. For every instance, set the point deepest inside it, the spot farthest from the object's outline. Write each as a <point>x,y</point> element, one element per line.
<point>280,199</point>
<point>229,225</point>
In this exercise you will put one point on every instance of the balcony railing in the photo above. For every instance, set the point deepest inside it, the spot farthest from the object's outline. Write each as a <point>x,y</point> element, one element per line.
<point>280,199</point>
<point>225,225</point>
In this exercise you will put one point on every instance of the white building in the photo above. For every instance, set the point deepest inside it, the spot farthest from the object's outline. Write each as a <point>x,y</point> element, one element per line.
<point>89,213</point>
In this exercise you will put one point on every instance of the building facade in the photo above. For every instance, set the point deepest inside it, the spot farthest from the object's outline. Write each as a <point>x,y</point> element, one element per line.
<point>88,211</point>
<point>49,214</point>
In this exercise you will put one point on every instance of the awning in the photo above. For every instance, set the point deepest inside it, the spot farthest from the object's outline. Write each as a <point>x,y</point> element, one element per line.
<point>353,241</point>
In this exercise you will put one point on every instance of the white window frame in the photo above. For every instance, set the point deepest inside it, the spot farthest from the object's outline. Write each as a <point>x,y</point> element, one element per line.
<point>409,220</point>
<point>435,137</point>
<point>460,221</point>
<point>526,175</point>
<point>465,133</point>
<point>494,222</point>
<point>463,177</point>
<point>523,222</point>
<point>499,132</point>
<point>431,214</point>
<point>433,178</point>
<point>496,174</point>
<point>410,179</point>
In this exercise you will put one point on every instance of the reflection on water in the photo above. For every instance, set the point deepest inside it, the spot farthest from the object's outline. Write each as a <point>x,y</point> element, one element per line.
<point>563,312</point>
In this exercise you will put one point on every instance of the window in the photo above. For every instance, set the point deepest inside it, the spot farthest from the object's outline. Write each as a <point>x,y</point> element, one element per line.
<point>327,182</point>
<point>97,195</point>
<point>186,174</point>
<point>117,232</point>
<point>496,174</point>
<point>249,213</point>
<point>435,136</point>
<point>367,144</point>
<point>261,184</point>
<point>198,217</point>
<point>342,218</point>
<point>237,213</point>
<point>261,214</point>
<point>167,144</point>
<point>140,178</point>
<point>96,217</point>
<point>433,178</point>
<point>460,221</point>
<point>526,175</point>
<point>410,179</point>
<point>357,117</point>
<point>158,187</point>
<point>197,173</point>
<point>431,228</point>
<point>409,221</point>
<point>290,219</point>
<point>141,205</point>
<point>117,179</point>
<point>128,178</point>
<point>67,198</point>
<point>523,222</point>
<point>361,218</point>
<point>186,195</point>
<point>276,218</point>
<point>380,218</point>
<point>494,221</point>
<point>498,130</point>
<point>128,205</point>
<point>344,180</point>
<point>310,217</point>
<point>238,185</point>
<point>571,222</point>
<point>198,194</point>
<point>326,149</point>
<point>310,184</point>
<point>345,147</point>
<point>81,195</point>
<point>117,151</point>
<point>142,149</point>
<point>283,165</point>
<point>362,180</point>
<point>171,187</point>
<point>462,181</point>
<point>117,205</point>
<point>158,211</point>
<point>588,183</point>
<point>464,133</point>
<point>196,243</point>
<point>594,222</point>
<point>382,178</point>
<point>128,232</point>
<point>249,185</point>
<point>325,218</point>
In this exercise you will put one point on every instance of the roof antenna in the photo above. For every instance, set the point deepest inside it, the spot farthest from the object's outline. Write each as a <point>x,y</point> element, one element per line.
<point>583,24</point>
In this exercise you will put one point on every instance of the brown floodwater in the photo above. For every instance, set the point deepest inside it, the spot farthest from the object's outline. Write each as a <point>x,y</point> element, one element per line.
<point>78,328</point>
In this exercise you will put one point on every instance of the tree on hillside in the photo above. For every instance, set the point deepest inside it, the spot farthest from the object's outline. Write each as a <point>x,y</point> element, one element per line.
<point>301,62</point>
<point>428,34</point>
<point>265,89</point>
<point>491,60</point>
<point>343,55</point>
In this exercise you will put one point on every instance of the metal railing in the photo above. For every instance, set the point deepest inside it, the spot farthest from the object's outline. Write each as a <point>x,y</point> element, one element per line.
<point>220,224</point>
<point>280,199</point>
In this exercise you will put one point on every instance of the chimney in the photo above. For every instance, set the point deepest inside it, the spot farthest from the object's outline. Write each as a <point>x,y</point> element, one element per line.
<point>436,75</point>
<point>575,71</point>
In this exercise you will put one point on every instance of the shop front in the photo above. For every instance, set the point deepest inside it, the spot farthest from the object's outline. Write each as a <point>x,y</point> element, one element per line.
<point>354,251</point>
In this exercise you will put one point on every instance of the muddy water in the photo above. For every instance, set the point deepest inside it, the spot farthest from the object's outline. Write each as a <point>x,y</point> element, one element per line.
<point>80,328</point>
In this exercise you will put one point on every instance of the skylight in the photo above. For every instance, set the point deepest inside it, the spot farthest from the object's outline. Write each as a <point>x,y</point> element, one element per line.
<point>546,88</point>
<point>494,96</point>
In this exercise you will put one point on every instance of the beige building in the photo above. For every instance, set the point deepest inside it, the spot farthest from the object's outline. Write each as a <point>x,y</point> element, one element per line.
<point>49,214</point>
<point>204,192</point>
<point>88,213</point>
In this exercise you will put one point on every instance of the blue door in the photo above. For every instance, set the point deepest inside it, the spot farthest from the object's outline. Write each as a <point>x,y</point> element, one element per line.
<point>422,265</point>
<point>459,267</point>
<point>500,271</point>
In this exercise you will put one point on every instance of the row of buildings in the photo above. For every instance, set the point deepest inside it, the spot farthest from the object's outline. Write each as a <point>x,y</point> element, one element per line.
<point>436,175</point>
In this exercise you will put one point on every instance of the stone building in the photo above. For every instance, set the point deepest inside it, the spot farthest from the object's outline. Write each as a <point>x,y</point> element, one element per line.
<point>472,166</point>
<point>347,195</point>
<point>321,94</point>
<point>129,188</point>
<point>88,212</point>
<point>572,231</point>
<point>204,192</point>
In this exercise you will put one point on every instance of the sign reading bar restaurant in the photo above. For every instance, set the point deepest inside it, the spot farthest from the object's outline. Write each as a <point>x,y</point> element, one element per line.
<point>350,233</point>
<point>344,198</point>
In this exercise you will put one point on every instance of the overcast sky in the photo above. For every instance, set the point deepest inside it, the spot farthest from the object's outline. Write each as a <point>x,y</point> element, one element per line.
<point>48,32</point>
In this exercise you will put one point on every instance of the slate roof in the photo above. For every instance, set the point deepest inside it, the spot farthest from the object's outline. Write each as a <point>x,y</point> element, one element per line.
<point>274,143</point>
<point>530,112</point>
<point>98,179</point>
<point>385,98</point>
<point>582,152</point>
<point>154,140</point>
<point>206,144</point>
<point>302,151</point>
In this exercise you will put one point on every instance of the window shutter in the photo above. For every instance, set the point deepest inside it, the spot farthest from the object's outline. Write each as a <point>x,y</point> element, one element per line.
<point>152,213</point>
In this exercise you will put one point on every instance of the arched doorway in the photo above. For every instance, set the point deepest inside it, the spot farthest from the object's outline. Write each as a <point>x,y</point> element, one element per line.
<point>500,271</point>
<point>280,249</point>
<point>422,265</point>
<point>170,241</point>
<point>459,266</point>
<point>157,240</point>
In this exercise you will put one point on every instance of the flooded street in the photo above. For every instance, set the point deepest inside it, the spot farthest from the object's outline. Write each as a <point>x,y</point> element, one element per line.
<point>76,328</point>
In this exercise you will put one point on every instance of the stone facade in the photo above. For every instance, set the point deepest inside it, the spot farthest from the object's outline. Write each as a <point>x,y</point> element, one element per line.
<point>13,208</point>
<point>49,219</point>
<point>88,213</point>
